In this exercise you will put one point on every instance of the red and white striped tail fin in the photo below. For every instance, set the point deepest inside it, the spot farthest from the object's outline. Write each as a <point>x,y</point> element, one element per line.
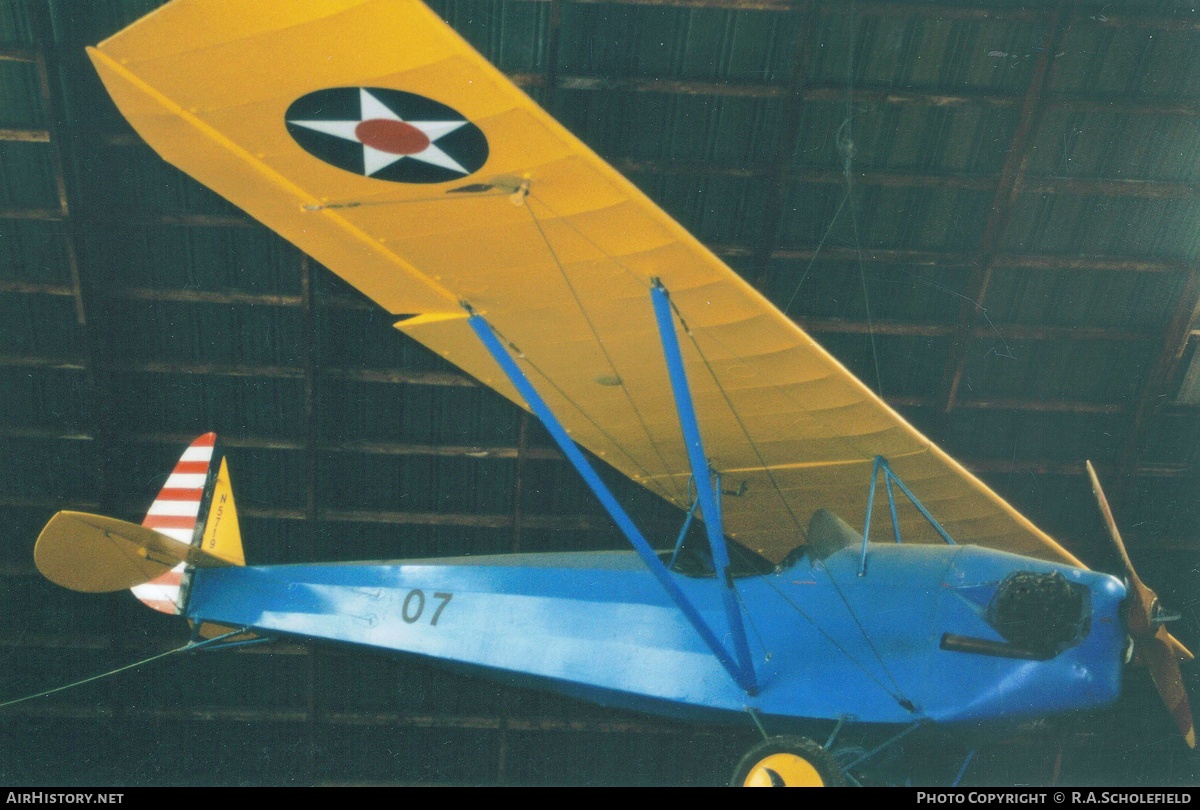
<point>175,513</point>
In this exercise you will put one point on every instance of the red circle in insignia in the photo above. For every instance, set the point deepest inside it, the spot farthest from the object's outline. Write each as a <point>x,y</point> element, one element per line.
<point>391,136</point>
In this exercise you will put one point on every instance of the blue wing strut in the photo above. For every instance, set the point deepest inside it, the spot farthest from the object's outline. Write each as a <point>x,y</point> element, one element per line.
<point>742,672</point>
<point>705,493</point>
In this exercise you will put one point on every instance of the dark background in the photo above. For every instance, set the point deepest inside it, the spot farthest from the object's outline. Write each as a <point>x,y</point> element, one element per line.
<point>1025,223</point>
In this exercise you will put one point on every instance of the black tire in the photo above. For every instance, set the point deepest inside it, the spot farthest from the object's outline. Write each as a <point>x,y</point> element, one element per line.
<point>788,762</point>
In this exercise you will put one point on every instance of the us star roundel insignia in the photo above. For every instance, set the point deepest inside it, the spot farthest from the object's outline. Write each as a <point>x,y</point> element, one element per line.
<point>387,134</point>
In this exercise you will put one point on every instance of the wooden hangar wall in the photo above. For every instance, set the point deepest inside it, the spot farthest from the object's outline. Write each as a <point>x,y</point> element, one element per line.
<point>1023,223</point>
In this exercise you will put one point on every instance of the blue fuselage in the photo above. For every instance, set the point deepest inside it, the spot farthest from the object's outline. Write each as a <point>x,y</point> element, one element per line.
<point>826,643</point>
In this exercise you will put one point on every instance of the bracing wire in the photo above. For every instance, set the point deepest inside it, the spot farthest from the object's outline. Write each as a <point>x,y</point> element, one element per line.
<point>186,647</point>
<point>813,260</point>
<point>864,452</point>
<point>846,147</point>
<point>340,205</point>
<point>862,275</point>
<point>565,221</point>
<point>741,423</point>
<point>898,693</point>
<point>895,691</point>
<point>603,349</point>
<point>571,401</point>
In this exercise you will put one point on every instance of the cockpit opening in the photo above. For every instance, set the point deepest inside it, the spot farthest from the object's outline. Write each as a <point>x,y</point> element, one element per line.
<point>694,558</point>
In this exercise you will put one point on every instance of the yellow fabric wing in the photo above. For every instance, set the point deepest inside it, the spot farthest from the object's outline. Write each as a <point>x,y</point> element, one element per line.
<point>346,126</point>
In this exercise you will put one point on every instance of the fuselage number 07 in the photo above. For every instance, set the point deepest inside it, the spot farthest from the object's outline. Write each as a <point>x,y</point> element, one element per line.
<point>414,606</point>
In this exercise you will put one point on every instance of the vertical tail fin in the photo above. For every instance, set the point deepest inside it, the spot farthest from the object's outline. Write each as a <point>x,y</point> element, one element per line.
<point>194,508</point>
<point>219,532</point>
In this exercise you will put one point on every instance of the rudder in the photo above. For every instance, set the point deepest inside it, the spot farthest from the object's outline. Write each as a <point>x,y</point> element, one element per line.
<point>196,508</point>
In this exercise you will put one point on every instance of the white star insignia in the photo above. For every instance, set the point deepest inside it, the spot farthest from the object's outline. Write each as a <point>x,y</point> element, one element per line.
<point>386,137</point>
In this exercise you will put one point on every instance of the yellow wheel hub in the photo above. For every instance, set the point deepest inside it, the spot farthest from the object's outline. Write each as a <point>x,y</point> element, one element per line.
<point>783,770</point>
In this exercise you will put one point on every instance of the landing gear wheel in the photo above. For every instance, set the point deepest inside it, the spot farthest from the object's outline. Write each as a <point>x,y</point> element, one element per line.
<point>788,762</point>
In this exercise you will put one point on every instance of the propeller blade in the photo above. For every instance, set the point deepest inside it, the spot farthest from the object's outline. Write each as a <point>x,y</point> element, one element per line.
<point>1164,669</point>
<point>1181,652</point>
<point>1160,651</point>
<point>1109,521</point>
<point>1142,598</point>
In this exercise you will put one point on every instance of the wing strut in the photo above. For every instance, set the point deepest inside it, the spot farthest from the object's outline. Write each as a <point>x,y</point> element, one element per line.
<point>483,330</point>
<point>702,475</point>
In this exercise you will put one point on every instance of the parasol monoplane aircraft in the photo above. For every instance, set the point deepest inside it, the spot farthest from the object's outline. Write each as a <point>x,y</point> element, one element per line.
<point>374,138</point>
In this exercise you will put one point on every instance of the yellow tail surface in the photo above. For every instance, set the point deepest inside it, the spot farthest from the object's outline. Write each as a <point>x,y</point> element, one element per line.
<point>222,536</point>
<point>97,554</point>
<point>192,522</point>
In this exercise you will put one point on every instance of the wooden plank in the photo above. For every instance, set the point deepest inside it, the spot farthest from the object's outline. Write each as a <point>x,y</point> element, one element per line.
<point>983,259</point>
<point>1155,390</point>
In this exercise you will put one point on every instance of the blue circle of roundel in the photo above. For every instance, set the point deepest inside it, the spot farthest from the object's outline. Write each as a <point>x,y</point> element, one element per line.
<point>387,134</point>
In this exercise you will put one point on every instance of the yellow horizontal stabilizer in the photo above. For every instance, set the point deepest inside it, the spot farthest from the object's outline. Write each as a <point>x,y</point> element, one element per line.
<point>95,554</point>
